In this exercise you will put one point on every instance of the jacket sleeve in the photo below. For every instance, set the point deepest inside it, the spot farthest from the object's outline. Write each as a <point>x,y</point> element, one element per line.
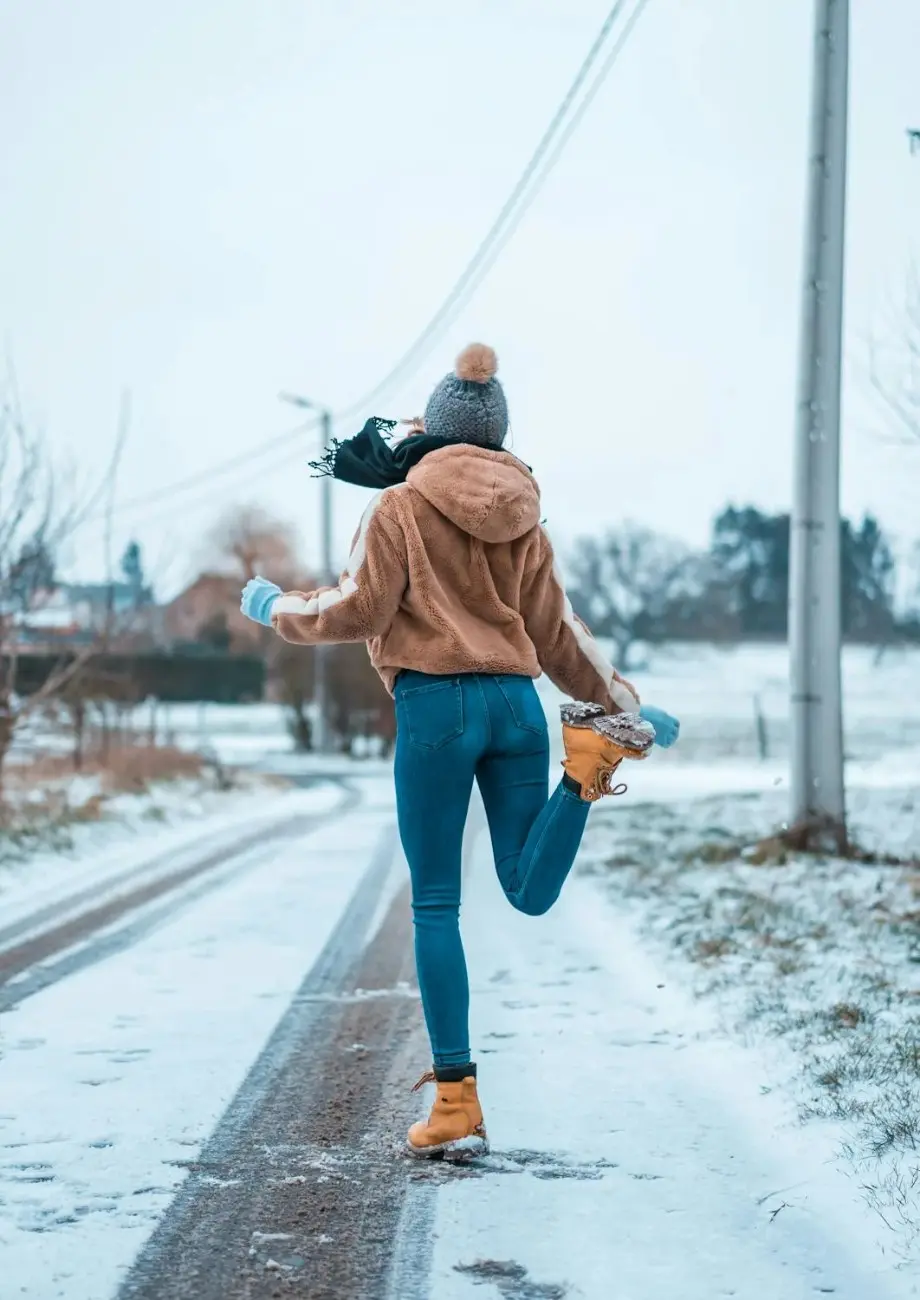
<point>568,653</point>
<point>364,603</point>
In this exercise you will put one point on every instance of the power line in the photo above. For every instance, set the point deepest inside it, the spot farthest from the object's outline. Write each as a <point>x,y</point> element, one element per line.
<point>462,292</point>
<point>472,274</point>
<point>538,168</point>
<point>148,510</point>
<point>242,461</point>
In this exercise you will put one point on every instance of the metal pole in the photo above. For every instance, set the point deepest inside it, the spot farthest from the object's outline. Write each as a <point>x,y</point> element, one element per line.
<point>327,578</point>
<point>814,590</point>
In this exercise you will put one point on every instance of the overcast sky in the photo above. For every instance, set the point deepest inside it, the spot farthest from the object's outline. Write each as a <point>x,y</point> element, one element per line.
<point>210,202</point>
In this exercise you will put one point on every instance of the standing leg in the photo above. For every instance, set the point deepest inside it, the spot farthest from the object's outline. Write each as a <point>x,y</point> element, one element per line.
<point>534,840</point>
<point>440,733</point>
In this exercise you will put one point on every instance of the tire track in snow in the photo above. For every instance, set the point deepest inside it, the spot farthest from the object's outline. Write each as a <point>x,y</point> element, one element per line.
<point>410,1270</point>
<point>299,1191</point>
<point>94,931</point>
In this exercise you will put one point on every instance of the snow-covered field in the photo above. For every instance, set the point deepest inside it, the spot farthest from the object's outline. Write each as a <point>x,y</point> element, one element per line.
<point>717,691</point>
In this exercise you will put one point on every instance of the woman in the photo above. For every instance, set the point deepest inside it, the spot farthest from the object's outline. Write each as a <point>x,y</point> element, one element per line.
<point>453,584</point>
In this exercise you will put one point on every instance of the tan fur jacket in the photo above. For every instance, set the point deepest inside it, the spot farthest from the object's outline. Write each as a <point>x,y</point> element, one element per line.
<point>451,573</point>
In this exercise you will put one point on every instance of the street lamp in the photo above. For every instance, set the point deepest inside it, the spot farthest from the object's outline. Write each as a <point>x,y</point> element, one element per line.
<point>327,575</point>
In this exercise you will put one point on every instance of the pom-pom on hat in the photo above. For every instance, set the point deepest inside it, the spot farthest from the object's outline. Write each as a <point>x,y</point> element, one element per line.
<point>469,405</point>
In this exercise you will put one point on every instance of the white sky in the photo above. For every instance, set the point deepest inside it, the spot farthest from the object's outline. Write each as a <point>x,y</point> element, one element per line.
<point>210,202</point>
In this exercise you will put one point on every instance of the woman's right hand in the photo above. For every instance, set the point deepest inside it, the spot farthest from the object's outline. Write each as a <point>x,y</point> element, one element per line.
<point>259,595</point>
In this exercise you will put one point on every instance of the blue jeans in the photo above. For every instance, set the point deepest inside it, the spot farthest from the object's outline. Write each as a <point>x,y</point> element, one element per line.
<point>450,732</point>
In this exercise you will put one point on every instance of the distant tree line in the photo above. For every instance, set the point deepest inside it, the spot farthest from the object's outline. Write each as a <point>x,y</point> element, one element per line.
<point>633,584</point>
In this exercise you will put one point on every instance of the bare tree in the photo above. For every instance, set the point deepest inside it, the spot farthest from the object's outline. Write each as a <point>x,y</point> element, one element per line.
<point>360,705</point>
<point>248,540</point>
<point>292,669</point>
<point>39,512</point>
<point>894,361</point>
<point>245,541</point>
<point>624,584</point>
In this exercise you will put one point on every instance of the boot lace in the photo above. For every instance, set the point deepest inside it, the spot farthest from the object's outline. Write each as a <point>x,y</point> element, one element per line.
<point>604,783</point>
<point>427,1077</point>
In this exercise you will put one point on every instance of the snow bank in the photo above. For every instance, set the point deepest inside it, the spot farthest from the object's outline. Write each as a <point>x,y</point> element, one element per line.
<point>816,960</point>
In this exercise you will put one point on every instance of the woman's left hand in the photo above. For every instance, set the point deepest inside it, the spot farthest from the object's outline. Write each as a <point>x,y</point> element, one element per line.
<point>667,729</point>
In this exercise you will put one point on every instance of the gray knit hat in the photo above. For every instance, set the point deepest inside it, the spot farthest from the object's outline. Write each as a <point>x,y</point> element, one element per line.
<point>469,405</point>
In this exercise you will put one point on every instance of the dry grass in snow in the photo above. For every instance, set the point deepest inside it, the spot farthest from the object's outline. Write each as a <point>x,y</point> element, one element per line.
<point>819,957</point>
<point>47,806</point>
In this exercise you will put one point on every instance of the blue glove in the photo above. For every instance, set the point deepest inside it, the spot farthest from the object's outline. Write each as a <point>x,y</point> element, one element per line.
<point>667,729</point>
<point>259,595</point>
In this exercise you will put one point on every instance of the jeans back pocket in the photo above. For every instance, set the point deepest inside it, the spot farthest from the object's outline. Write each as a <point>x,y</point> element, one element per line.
<point>433,714</point>
<point>524,703</point>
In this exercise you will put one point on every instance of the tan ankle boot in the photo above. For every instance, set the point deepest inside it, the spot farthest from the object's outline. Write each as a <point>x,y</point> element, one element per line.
<point>455,1127</point>
<point>596,744</point>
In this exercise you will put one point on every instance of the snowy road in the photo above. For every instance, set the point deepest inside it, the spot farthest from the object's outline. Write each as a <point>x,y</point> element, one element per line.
<point>209,1111</point>
<point>44,941</point>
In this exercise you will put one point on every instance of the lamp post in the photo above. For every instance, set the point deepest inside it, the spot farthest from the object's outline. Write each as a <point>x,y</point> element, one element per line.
<point>327,576</point>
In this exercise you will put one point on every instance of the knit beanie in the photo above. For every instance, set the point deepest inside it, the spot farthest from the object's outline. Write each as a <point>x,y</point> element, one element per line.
<point>469,405</point>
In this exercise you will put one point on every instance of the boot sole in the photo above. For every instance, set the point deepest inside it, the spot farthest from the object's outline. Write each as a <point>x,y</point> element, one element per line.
<point>468,1148</point>
<point>628,731</point>
<point>632,735</point>
<point>578,714</point>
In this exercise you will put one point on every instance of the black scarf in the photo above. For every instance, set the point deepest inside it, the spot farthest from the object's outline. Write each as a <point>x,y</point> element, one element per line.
<point>369,460</point>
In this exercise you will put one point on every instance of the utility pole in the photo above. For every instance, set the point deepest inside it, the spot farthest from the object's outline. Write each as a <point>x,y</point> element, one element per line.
<point>322,738</point>
<point>817,788</point>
